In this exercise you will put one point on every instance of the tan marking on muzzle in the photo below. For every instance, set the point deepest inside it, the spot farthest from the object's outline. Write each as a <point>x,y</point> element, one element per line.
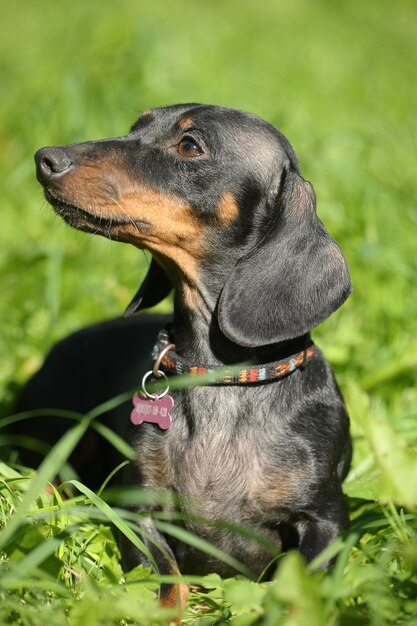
<point>93,185</point>
<point>174,231</point>
<point>105,189</point>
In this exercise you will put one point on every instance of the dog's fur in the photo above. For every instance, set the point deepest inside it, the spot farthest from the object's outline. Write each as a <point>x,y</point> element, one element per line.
<point>216,195</point>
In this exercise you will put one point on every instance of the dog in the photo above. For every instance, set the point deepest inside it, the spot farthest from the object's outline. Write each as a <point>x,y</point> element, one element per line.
<point>217,197</point>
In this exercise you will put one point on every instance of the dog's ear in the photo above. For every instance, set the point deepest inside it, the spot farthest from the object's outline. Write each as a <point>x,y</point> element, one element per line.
<point>291,281</point>
<point>155,287</point>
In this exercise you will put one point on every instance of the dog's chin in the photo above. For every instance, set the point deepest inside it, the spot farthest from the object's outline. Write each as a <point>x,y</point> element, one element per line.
<point>90,223</point>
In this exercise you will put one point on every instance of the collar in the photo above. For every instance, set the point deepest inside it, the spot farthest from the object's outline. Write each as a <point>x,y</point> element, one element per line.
<point>170,362</point>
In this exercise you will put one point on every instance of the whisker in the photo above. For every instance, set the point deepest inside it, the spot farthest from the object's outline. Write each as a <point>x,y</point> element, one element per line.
<point>126,213</point>
<point>109,228</point>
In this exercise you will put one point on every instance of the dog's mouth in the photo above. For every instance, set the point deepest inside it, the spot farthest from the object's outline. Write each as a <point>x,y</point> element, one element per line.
<point>87,221</point>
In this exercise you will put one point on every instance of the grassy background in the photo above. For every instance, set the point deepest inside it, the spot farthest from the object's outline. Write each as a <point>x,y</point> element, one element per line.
<point>339,79</point>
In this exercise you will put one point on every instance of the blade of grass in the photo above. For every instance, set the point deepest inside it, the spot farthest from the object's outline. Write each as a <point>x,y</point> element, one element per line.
<point>339,568</point>
<point>47,471</point>
<point>328,553</point>
<point>202,545</point>
<point>35,557</point>
<point>18,417</point>
<point>110,476</point>
<point>117,442</point>
<point>43,583</point>
<point>240,529</point>
<point>115,519</point>
<point>104,407</point>
<point>180,381</point>
<point>185,381</point>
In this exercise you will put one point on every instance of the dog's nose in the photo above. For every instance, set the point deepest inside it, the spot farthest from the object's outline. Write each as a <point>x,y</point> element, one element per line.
<point>51,163</point>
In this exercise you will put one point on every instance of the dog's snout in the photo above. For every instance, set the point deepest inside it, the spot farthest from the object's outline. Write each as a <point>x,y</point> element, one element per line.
<point>51,163</point>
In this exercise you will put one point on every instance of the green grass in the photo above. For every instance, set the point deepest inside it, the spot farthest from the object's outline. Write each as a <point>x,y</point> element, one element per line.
<point>338,78</point>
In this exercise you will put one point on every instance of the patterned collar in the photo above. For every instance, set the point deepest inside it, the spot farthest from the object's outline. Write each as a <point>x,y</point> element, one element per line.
<point>170,362</point>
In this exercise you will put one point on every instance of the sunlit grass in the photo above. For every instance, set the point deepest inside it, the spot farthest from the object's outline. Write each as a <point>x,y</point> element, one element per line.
<point>62,558</point>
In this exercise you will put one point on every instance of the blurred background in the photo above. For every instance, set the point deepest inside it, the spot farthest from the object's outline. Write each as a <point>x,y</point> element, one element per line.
<point>338,78</point>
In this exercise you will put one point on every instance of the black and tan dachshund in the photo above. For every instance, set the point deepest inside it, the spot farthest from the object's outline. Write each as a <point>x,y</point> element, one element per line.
<point>216,195</point>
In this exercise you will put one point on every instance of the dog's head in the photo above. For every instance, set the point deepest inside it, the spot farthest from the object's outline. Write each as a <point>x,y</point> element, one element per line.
<point>216,195</point>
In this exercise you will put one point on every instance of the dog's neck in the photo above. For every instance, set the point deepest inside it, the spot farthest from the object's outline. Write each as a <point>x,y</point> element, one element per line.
<point>199,340</point>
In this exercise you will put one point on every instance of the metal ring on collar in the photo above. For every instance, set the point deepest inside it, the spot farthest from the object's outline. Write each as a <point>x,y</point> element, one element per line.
<point>170,346</point>
<point>151,396</point>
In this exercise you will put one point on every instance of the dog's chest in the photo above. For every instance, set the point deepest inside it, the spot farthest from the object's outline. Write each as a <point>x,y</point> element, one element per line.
<point>222,455</point>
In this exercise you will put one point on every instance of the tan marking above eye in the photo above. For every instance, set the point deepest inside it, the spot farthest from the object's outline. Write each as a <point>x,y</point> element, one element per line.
<point>185,121</point>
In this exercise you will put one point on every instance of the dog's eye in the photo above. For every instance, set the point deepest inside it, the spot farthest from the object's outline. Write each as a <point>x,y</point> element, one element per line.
<point>189,148</point>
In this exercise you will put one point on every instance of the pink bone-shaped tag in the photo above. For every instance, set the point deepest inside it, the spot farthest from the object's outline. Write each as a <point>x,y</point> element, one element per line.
<point>156,410</point>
